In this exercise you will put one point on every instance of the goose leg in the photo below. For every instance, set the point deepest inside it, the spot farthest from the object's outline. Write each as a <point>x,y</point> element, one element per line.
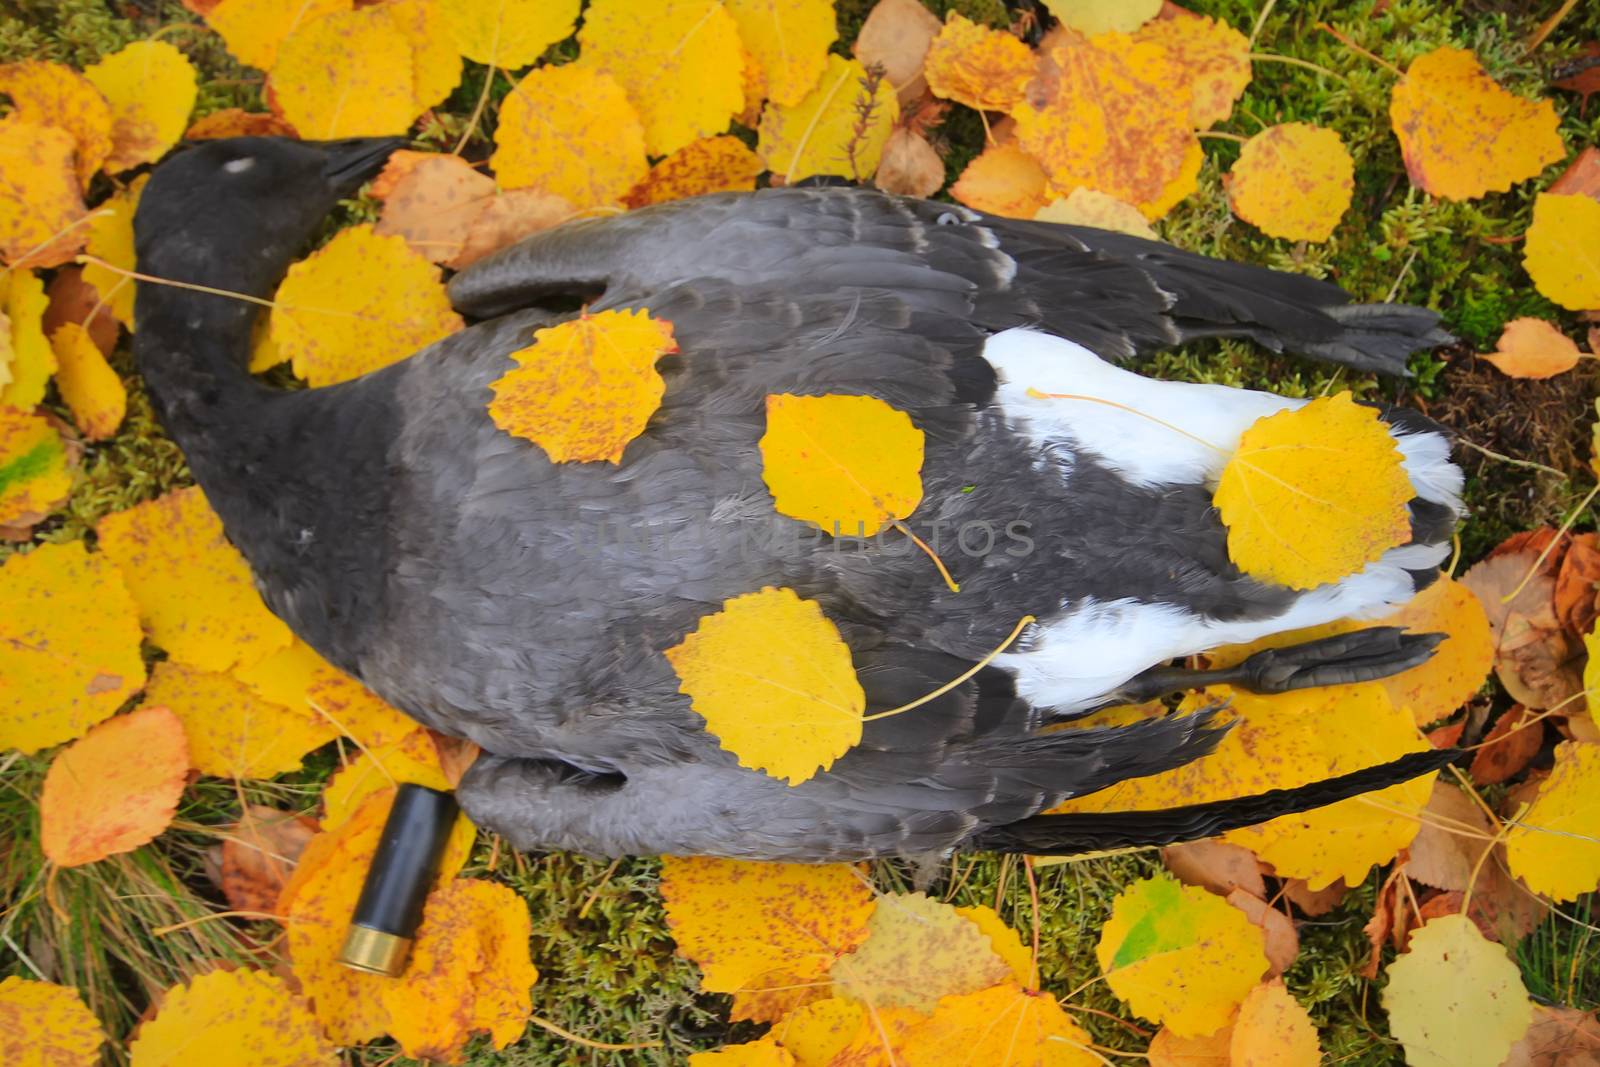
<point>1344,659</point>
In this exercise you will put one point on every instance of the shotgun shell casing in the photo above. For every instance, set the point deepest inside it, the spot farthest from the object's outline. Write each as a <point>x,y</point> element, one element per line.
<point>402,872</point>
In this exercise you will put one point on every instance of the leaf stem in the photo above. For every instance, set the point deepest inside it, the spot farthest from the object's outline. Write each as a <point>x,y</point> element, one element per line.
<point>1037,395</point>
<point>960,678</point>
<point>1565,526</point>
<point>599,1046</point>
<point>1358,50</point>
<point>944,572</point>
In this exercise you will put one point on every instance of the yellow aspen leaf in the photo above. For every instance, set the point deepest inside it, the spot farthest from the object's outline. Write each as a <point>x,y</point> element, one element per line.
<point>348,74</point>
<point>1313,494</point>
<point>974,65</point>
<point>299,679</point>
<point>195,594</point>
<point>1179,955</point>
<point>435,60</point>
<point>1215,59</point>
<point>317,905</point>
<point>53,94</point>
<point>32,362</point>
<point>680,61</point>
<point>1113,116</point>
<point>1004,1025</point>
<point>1562,253</point>
<point>763,1053</point>
<point>1086,207</point>
<point>789,40</point>
<point>46,1025</point>
<point>361,302</point>
<point>111,239</point>
<point>509,34</point>
<point>113,789</point>
<point>1470,1018</point>
<point>1091,17</point>
<point>554,109</point>
<point>816,1033</point>
<point>253,30</point>
<point>819,134</point>
<point>69,645</point>
<point>469,971</point>
<point>41,203</point>
<point>1554,846</point>
<point>151,87</point>
<point>1290,740</point>
<point>435,205</point>
<point>1462,135</point>
<point>849,464</point>
<point>33,468</point>
<point>93,392</point>
<point>1292,181</point>
<point>1004,180</point>
<point>711,165</point>
<point>1533,348</point>
<point>220,1016</point>
<point>742,922</point>
<point>1273,1030</point>
<point>232,732</point>
<point>413,758</point>
<point>918,950</point>
<point>586,387</point>
<point>1005,941</point>
<point>774,682</point>
<point>1167,1049</point>
<point>1459,666</point>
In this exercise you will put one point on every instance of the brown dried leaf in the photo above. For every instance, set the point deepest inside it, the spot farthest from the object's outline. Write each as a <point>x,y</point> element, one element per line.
<point>896,35</point>
<point>1454,836</point>
<point>1217,866</point>
<point>435,205</point>
<point>259,853</point>
<point>1559,1037</point>
<point>507,219</point>
<point>73,300</point>
<point>1314,902</point>
<point>1282,941</point>
<point>1582,176</point>
<point>1508,747</point>
<point>910,166</point>
<point>1577,593</point>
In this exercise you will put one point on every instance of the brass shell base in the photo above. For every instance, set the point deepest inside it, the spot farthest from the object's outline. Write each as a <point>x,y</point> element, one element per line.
<point>375,951</point>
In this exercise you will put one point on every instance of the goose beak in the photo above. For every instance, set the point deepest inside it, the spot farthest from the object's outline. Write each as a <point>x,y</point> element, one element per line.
<point>352,161</point>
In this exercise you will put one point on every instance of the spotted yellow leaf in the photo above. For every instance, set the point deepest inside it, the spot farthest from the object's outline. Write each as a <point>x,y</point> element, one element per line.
<point>743,921</point>
<point>977,66</point>
<point>819,134</point>
<point>194,590</point>
<point>53,94</point>
<point>232,732</point>
<point>1005,941</point>
<point>713,165</point>
<point>1470,1019</point>
<point>46,1025</point>
<point>1313,494</point>
<point>680,62</point>
<point>33,468</point>
<point>111,240</point>
<point>151,87</point>
<point>1085,207</point>
<point>41,204</point>
<point>1091,17</point>
<point>1555,845</point>
<point>435,60</point>
<point>918,950</point>
<point>1292,181</point>
<point>763,1053</point>
<point>1215,58</point>
<point>789,39</point>
<point>1562,254</point>
<point>299,679</point>
<point>1179,955</point>
<point>327,99</point>
<point>1005,1024</point>
<point>412,758</point>
<point>849,464</point>
<point>553,108</point>
<point>1462,135</point>
<point>253,30</point>
<point>32,360</point>
<point>774,681</point>
<point>93,392</point>
<point>220,1013</point>
<point>1273,1030</point>
<point>586,387</point>
<point>509,34</point>
<point>69,645</point>
<point>361,302</point>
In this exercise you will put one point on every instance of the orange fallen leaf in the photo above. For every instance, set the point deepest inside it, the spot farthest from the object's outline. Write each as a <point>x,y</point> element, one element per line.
<point>1003,180</point>
<point>434,206</point>
<point>1458,667</point>
<point>1167,1049</point>
<point>151,88</point>
<point>512,215</point>
<point>1462,135</point>
<point>258,855</point>
<point>1507,748</point>
<point>221,1014</point>
<point>195,594</point>
<point>973,65</point>
<point>1214,56</point>
<point>113,789</point>
<point>553,108</point>
<point>710,165</point>
<point>53,94</point>
<point>586,387</point>
<point>46,1025</point>
<point>1003,1025</point>
<point>1292,181</point>
<point>73,300</point>
<point>1577,592</point>
<point>93,392</point>
<point>1085,207</point>
<point>1533,348</point>
<point>236,122</point>
<point>41,204</point>
<point>1559,1037</point>
<point>680,61</point>
<point>1114,116</point>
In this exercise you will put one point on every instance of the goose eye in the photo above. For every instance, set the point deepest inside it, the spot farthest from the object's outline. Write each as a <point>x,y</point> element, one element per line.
<point>239,166</point>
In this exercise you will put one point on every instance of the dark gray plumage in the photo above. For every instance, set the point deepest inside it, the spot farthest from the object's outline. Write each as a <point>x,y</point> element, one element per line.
<point>488,592</point>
